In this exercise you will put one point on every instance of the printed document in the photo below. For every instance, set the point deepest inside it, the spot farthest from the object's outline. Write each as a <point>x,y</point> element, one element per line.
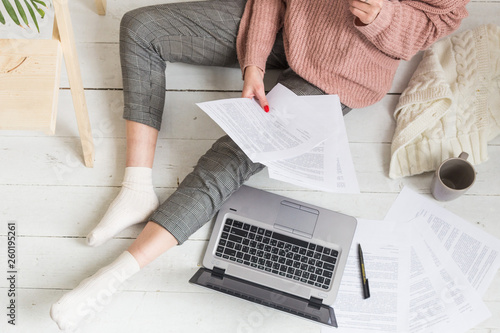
<point>302,140</point>
<point>287,130</point>
<point>328,166</point>
<point>474,251</point>
<point>386,253</point>
<point>441,298</point>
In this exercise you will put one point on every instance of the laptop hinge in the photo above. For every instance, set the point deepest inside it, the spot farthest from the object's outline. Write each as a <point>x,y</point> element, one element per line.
<point>218,272</point>
<point>315,302</point>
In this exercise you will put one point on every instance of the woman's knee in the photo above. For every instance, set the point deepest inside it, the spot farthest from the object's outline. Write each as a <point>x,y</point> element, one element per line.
<point>133,23</point>
<point>228,155</point>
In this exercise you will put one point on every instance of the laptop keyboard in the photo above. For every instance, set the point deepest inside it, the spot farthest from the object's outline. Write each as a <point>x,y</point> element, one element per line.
<point>277,253</point>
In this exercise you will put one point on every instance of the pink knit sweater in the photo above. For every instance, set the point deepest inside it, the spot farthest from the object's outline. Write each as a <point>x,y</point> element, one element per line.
<point>325,47</point>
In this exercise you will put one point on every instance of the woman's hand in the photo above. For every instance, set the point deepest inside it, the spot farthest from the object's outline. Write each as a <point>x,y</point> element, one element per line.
<point>366,11</point>
<point>253,86</point>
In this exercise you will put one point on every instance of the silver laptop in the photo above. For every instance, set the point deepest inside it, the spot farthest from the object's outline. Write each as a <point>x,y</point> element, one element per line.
<point>278,252</point>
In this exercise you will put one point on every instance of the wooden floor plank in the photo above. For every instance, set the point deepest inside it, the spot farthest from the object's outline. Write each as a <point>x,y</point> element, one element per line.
<point>76,213</point>
<point>57,161</point>
<point>159,312</point>
<point>371,124</point>
<point>182,119</point>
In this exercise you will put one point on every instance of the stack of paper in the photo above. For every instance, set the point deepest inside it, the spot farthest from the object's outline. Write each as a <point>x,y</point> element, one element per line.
<point>428,270</point>
<point>302,140</point>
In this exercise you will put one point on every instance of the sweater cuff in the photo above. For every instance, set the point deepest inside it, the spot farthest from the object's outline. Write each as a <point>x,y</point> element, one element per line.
<point>245,65</point>
<point>381,22</point>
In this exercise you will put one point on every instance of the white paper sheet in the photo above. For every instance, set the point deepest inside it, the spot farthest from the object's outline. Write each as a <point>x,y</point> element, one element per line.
<point>302,140</point>
<point>288,129</point>
<point>474,251</point>
<point>441,299</point>
<point>328,166</point>
<point>386,256</point>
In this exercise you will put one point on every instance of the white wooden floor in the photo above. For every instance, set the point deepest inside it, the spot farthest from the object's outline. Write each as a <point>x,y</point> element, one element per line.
<point>56,201</point>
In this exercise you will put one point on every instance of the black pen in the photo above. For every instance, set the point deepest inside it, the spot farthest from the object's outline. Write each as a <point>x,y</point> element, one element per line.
<point>366,287</point>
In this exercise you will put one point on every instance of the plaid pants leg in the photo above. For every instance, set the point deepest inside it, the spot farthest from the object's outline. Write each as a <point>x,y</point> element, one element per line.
<point>201,33</point>
<point>218,173</point>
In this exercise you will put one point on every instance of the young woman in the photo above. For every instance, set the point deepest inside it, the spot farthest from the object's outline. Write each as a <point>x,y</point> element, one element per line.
<point>346,47</point>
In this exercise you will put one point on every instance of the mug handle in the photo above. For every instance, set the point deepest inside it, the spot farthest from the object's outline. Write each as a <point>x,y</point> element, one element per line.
<point>463,155</point>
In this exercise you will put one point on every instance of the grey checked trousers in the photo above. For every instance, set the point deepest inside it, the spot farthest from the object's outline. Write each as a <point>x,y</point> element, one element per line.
<point>199,33</point>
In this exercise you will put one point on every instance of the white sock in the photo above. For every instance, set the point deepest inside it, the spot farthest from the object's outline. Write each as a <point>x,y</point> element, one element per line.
<point>93,293</point>
<point>135,202</point>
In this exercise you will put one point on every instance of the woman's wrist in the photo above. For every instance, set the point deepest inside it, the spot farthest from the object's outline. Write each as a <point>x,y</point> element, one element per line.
<point>252,70</point>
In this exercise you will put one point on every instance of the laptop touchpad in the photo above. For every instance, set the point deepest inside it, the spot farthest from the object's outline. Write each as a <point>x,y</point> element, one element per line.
<point>297,219</point>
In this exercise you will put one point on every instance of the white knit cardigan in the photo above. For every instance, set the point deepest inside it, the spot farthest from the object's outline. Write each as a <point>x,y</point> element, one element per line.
<point>451,104</point>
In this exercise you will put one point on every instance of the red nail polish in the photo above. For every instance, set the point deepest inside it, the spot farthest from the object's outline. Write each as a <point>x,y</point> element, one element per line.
<point>266,108</point>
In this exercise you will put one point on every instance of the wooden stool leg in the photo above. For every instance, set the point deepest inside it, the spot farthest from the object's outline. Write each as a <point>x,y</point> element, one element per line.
<point>101,7</point>
<point>65,33</point>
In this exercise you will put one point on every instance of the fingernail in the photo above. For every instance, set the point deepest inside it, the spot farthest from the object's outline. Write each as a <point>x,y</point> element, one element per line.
<point>266,108</point>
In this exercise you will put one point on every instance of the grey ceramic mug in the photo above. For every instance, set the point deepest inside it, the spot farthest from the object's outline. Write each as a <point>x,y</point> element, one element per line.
<point>453,178</point>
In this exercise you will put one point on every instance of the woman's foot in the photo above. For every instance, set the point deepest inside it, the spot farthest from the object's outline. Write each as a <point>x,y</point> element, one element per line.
<point>135,202</point>
<point>93,293</point>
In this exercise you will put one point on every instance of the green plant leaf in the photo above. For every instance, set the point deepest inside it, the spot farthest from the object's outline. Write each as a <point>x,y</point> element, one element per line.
<point>32,8</point>
<point>41,3</point>
<point>21,11</point>
<point>11,11</point>
<point>41,12</point>
<point>32,13</point>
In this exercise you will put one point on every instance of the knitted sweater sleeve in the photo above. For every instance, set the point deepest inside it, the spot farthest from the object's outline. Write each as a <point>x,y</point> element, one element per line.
<point>259,25</point>
<point>403,28</point>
